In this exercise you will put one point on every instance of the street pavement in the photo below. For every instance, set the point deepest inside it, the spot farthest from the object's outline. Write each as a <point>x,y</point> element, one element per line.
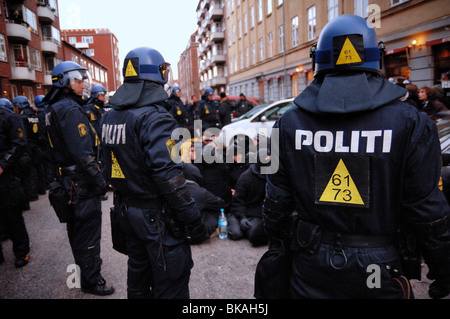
<point>223,269</point>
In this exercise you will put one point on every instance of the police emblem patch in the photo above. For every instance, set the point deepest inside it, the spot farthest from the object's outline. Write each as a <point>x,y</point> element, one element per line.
<point>343,181</point>
<point>82,130</point>
<point>348,50</point>
<point>132,69</point>
<point>170,145</point>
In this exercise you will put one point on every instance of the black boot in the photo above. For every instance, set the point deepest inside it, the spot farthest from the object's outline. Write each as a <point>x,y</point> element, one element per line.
<point>22,261</point>
<point>99,289</point>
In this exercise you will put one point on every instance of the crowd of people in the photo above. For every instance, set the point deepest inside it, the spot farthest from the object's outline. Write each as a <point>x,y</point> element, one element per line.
<point>431,100</point>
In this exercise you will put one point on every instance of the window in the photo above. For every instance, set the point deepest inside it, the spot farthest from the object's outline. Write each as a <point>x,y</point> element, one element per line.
<point>3,54</point>
<point>361,8</point>
<point>240,28</point>
<point>241,60</point>
<point>30,18</point>
<point>247,58</point>
<point>89,40</point>
<point>312,23</point>
<point>50,33</point>
<point>90,52</point>
<point>333,9</point>
<point>397,2</point>
<point>261,49</point>
<point>245,23</point>
<point>252,17</point>
<point>295,31</point>
<point>260,11</point>
<point>281,38</point>
<point>269,7</point>
<point>34,58</point>
<point>270,46</point>
<point>253,53</point>
<point>72,40</point>
<point>234,33</point>
<point>53,4</point>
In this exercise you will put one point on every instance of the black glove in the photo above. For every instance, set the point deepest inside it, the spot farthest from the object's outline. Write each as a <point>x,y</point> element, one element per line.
<point>197,231</point>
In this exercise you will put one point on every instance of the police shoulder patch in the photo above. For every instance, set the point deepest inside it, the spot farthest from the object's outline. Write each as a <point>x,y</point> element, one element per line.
<point>82,130</point>
<point>170,145</point>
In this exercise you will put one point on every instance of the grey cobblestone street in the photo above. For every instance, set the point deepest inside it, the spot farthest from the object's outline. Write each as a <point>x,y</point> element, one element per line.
<point>223,269</point>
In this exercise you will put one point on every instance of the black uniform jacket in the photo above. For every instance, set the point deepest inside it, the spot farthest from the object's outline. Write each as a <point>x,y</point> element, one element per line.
<point>137,140</point>
<point>355,160</point>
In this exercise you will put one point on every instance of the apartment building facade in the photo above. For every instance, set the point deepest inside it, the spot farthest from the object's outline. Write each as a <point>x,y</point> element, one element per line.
<point>188,73</point>
<point>212,53</point>
<point>268,41</point>
<point>31,46</point>
<point>102,45</point>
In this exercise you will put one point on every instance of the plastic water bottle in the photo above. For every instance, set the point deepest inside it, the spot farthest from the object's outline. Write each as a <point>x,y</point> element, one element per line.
<point>223,225</point>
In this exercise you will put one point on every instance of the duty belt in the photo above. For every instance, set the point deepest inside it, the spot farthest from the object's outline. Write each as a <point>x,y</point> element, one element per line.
<point>356,241</point>
<point>153,203</point>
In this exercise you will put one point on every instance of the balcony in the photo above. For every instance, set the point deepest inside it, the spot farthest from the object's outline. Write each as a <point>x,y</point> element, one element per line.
<point>216,12</point>
<point>45,14</point>
<point>18,32</point>
<point>81,45</point>
<point>219,80</point>
<point>20,71</point>
<point>48,46</point>
<point>218,58</point>
<point>217,36</point>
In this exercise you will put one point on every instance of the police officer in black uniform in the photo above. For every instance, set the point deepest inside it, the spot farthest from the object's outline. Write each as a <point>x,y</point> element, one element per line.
<point>46,171</point>
<point>34,135</point>
<point>178,109</point>
<point>95,109</point>
<point>357,167</point>
<point>12,148</point>
<point>73,141</point>
<point>208,110</point>
<point>151,195</point>
<point>95,106</point>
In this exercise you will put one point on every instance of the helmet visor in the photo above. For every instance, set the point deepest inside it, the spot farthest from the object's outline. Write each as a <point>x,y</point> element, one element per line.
<point>79,80</point>
<point>167,75</point>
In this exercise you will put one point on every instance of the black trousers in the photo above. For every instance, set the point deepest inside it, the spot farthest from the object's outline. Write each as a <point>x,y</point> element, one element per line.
<point>84,232</point>
<point>11,202</point>
<point>159,265</point>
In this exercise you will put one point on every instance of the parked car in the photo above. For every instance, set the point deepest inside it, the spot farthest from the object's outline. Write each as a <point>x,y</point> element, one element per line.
<point>259,120</point>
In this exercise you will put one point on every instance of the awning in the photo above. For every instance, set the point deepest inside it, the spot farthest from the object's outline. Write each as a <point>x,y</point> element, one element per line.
<point>394,51</point>
<point>439,41</point>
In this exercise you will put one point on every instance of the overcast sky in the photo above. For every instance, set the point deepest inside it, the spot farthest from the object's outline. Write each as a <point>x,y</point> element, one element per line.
<point>164,25</point>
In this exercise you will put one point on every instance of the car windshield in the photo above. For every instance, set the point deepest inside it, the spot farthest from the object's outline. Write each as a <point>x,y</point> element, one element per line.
<point>250,113</point>
<point>275,113</point>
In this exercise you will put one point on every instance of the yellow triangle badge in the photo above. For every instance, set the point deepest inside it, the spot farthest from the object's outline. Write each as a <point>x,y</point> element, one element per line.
<point>116,171</point>
<point>130,71</point>
<point>341,188</point>
<point>348,54</point>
